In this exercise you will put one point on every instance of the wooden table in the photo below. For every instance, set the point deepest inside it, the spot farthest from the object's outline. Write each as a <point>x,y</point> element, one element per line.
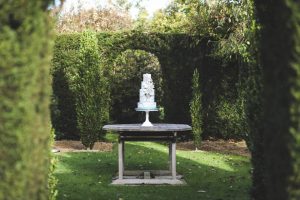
<point>157,132</point>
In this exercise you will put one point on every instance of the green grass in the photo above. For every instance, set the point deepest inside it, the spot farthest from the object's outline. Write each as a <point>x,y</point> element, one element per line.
<point>87,176</point>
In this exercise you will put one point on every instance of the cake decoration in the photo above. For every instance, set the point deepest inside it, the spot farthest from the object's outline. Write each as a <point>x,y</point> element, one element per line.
<point>147,93</point>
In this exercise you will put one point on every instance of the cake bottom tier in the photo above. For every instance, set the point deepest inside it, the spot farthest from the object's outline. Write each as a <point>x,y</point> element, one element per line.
<point>146,105</point>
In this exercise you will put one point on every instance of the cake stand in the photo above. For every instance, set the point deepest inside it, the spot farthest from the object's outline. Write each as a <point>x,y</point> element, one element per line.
<point>147,122</point>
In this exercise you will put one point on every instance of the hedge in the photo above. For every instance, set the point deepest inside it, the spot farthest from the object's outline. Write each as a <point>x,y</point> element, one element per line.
<point>25,49</point>
<point>178,55</point>
<point>280,43</point>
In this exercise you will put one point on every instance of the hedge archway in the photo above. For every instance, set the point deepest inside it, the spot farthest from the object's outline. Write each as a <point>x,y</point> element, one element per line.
<point>128,69</point>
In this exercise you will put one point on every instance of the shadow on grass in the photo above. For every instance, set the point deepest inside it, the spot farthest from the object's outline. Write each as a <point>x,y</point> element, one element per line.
<point>208,175</point>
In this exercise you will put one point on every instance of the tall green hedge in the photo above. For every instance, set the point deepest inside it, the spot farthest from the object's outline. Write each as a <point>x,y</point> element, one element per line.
<point>255,139</point>
<point>280,58</point>
<point>25,49</point>
<point>177,54</point>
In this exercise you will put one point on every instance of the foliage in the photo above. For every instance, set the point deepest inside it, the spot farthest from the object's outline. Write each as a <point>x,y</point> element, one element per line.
<point>25,49</point>
<point>254,113</point>
<point>279,47</point>
<point>176,22</point>
<point>142,20</point>
<point>91,88</point>
<point>177,18</point>
<point>208,175</point>
<point>196,109</point>
<point>113,17</point>
<point>294,179</point>
<point>63,103</point>
<point>230,118</point>
<point>229,24</point>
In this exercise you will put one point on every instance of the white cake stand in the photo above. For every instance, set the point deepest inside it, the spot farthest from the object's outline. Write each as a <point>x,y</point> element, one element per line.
<point>147,122</point>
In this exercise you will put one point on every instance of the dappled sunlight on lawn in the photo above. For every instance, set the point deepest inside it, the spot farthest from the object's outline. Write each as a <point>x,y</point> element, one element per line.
<point>216,160</point>
<point>87,175</point>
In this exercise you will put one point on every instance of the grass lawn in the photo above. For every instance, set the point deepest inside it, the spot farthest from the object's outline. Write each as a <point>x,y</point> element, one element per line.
<point>87,175</point>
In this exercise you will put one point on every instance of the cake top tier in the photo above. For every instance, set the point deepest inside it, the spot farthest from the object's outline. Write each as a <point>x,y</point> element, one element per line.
<point>147,77</point>
<point>147,82</point>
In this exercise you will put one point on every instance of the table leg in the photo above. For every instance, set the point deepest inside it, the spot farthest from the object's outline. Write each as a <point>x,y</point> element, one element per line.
<point>123,155</point>
<point>174,156</point>
<point>121,161</point>
<point>170,157</point>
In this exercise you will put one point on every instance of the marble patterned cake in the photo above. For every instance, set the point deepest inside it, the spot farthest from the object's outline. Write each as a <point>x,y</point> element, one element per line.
<point>147,93</point>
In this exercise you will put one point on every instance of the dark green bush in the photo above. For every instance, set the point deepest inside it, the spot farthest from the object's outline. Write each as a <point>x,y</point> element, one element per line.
<point>196,109</point>
<point>25,49</point>
<point>230,117</point>
<point>63,108</point>
<point>91,90</point>
<point>222,105</point>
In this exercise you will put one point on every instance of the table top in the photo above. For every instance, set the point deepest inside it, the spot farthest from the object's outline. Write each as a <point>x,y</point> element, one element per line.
<point>154,128</point>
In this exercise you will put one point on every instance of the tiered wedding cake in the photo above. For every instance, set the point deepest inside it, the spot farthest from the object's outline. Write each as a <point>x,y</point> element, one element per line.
<point>147,93</point>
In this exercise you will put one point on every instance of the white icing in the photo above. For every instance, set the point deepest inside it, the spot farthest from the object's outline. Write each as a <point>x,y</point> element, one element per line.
<point>147,93</point>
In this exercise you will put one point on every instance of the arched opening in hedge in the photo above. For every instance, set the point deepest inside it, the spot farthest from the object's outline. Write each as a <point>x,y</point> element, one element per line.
<point>127,71</point>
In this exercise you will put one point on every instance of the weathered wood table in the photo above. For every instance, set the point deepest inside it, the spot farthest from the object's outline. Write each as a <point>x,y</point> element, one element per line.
<point>157,132</point>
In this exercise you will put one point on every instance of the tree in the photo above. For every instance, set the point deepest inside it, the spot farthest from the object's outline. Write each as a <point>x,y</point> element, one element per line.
<point>196,109</point>
<point>91,90</point>
<point>113,17</point>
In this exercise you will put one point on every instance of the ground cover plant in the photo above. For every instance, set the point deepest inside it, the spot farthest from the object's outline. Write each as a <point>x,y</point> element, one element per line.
<point>208,175</point>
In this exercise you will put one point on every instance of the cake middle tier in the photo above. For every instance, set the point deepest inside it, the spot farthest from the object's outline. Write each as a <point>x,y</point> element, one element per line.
<point>146,95</point>
<point>147,105</point>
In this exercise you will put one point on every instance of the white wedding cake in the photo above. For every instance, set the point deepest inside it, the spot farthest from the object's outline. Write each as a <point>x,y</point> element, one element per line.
<point>147,93</point>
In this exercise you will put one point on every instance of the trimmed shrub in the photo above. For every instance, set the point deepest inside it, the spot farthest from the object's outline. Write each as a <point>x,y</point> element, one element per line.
<point>230,117</point>
<point>196,109</point>
<point>280,60</point>
<point>223,115</point>
<point>25,49</point>
<point>91,89</point>
<point>63,108</point>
